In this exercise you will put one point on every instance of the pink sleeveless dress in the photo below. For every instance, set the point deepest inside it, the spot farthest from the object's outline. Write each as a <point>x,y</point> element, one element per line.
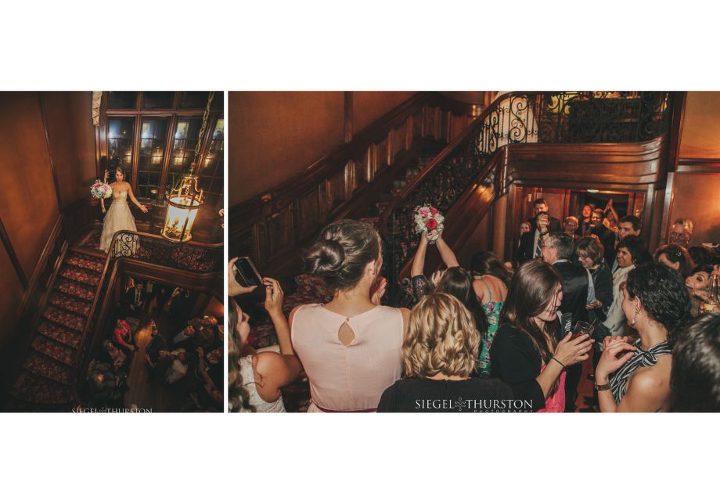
<point>352,377</point>
<point>555,403</point>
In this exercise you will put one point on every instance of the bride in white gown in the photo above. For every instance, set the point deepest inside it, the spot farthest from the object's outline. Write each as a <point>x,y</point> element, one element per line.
<point>119,217</point>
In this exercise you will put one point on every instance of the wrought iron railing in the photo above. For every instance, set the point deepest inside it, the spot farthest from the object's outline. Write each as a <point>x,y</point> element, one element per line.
<point>513,118</point>
<point>190,256</point>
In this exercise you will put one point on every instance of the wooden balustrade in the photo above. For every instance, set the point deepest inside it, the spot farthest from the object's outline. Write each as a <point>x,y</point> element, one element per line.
<point>272,227</point>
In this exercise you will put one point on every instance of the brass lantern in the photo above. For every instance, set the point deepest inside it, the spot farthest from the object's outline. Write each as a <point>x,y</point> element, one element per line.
<point>185,199</point>
<point>183,204</point>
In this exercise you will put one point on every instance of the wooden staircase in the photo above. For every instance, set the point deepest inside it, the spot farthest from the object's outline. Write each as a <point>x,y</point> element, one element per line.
<point>47,378</point>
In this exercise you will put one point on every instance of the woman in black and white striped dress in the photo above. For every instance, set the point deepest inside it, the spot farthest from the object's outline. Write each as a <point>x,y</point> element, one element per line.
<point>637,377</point>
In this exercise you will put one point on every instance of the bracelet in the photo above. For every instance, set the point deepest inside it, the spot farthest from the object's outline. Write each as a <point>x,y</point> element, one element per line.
<point>604,386</point>
<point>556,360</point>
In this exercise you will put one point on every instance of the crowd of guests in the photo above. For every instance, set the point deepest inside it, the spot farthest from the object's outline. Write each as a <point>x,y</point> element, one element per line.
<point>190,363</point>
<point>495,336</point>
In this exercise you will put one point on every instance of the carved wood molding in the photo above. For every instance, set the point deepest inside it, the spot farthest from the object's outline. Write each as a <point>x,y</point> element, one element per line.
<point>589,165</point>
<point>698,165</point>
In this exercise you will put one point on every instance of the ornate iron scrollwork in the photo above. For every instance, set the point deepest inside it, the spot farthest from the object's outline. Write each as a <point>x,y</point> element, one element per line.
<point>543,117</point>
<point>155,250</point>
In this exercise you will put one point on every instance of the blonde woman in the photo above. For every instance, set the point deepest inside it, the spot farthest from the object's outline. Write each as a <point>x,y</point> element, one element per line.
<point>439,354</point>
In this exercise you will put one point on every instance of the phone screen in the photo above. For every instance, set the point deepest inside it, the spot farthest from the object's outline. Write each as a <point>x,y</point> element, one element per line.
<point>246,274</point>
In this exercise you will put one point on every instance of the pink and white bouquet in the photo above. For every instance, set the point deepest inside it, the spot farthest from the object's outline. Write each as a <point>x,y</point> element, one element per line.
<point>100,190</point>
<point>428,220</point>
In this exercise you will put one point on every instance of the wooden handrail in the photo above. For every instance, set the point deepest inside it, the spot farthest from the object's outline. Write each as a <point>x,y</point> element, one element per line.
<point>41,265</point>
<point>328,165</point>
<point>426,170</point>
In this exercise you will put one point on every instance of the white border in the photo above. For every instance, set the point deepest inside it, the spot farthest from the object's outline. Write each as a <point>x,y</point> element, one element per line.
<point>378,45</point>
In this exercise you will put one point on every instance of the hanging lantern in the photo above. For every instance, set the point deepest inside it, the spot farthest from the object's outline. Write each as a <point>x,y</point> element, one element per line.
<point>183,204</point>
<point>185,199</point>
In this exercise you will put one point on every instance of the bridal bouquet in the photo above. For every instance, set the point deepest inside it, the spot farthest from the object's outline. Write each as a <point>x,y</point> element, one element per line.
<point>100,190</point>
<point>429,220</point>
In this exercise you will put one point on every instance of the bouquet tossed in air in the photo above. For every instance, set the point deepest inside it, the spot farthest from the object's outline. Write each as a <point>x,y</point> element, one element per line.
<point>100,190</point>
<point>428,220</point>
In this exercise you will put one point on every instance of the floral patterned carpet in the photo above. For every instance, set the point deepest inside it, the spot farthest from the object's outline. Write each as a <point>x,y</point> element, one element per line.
<point>46,381</point>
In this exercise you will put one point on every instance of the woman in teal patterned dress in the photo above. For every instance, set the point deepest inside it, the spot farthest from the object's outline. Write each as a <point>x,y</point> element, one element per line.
<point>491,285</point>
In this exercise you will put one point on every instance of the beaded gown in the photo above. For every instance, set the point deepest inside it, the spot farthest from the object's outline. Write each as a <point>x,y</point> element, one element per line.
<point>118,218</point>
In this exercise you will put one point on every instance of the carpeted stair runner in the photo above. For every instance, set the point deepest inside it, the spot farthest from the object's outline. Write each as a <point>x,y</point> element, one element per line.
<point>46,381</point>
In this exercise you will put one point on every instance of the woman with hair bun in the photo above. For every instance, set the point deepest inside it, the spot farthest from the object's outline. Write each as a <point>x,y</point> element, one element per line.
<point>351,347</point>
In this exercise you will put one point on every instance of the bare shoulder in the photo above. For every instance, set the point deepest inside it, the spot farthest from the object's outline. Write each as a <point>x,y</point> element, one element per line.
<point>480,286</point>
<point>268,362</point>
<point>275,370</point>
<point>652,380</point>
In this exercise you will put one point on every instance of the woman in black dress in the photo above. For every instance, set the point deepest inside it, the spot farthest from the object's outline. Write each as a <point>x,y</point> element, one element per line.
<point>439,354</point>
<point>527,352</point>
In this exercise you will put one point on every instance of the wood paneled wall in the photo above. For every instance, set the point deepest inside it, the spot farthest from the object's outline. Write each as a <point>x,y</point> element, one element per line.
<point>12,291</point>
<point>368,106</point>
<point>693,192</point>
<point>271,227</point>
<point>701,129</point>
<point>29,206</point>
<point>47,152</point>
<point>68,118</point>
<point>274,136</point>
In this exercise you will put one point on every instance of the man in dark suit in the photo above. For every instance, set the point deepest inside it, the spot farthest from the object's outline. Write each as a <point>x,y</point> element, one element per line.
<point>541,206</point>
<point>135,297</point>
<point>557,250</point>
<point>607,237</point>
<point>531,242</point>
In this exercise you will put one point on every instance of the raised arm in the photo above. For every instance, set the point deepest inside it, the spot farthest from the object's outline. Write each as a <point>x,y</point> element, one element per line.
<point>418,264</point>
<point>611,210</point>
<point>448,256</point>
<point>273,304</point>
